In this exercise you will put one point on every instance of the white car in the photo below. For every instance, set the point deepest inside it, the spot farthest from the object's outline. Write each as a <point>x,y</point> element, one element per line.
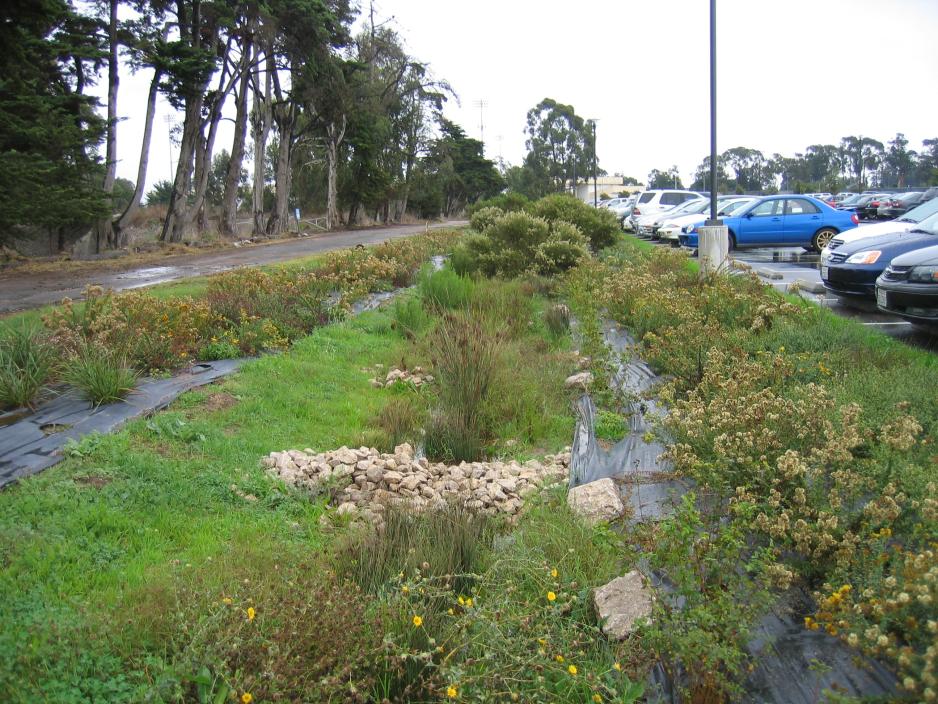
<point>671,230</point>
<point>624,207</point>
<point>903,224</point>
<point>611,202</point>
<point>656,201</point>
<point>648,225</point>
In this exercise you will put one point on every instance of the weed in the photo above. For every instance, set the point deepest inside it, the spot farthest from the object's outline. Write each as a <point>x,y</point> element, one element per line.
<point>27,361</point>
<point>399,421</point>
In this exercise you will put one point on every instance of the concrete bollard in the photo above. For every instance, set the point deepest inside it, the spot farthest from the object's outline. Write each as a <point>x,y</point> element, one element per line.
<point>713,249</point>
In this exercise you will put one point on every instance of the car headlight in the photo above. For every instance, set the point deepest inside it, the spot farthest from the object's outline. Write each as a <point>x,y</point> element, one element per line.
<point>868,257</point>
<point>687,229</point>
<point>924,274</point>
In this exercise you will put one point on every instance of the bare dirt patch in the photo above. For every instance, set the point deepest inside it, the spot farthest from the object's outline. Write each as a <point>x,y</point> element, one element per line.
<point>218,401</point>
<point>93,481</point>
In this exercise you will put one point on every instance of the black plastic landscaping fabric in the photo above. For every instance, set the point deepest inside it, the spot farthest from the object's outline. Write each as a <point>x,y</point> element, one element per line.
<point>792,664</point>
<point>34,442</point>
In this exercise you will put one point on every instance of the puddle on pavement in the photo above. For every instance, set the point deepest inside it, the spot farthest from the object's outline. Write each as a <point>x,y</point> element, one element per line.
<point>53,428</point>
<point>794,255</point>
<point>149,276</point>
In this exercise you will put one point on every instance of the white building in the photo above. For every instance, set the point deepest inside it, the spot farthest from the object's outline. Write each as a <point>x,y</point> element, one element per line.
<point>610,186</point>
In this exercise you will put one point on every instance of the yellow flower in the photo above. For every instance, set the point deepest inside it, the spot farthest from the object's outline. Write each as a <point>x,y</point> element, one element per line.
<point>571,669</point>
<point>418,621</point>
<point>558,658</point>
<point>597,698</point>
<point>405,589</point>
<point>553,573</point>
<point>617,667</point>
<point>469,603</point>
<point>251,613</point>
<point>246,698</point>
<point>542,641</point>
<point>461,601</point>
<point>226,601</point>
<point>551,596</point>
<point>452,692</point>
<point>450,612</point>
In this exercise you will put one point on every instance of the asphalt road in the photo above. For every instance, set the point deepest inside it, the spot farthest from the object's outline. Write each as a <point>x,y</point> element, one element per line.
<point>22,291</point>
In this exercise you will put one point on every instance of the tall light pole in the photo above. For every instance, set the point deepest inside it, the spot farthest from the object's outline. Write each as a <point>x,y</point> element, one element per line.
<point>481,104</point>
<point>595,191</point>
<point>713,238</point>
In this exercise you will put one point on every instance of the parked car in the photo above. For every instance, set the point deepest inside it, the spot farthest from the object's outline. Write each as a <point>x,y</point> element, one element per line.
<point>869,210</point>
<point>842,196</point>
<point>909,287</point>
<point>649,224</point>
<point>658,200</point>
<point>903,224</point>
<point>852,269</point>
<point>672,228</point>
<point>855,202</point>
<point>608,203</point>
<point>782,221</point>
<point>900,204</point>
<point>624,208</point>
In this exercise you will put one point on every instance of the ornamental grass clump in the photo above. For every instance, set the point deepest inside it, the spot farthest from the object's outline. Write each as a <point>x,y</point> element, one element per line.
<point>465,355</point>
<point>100,375</point>
<point>27,362</point>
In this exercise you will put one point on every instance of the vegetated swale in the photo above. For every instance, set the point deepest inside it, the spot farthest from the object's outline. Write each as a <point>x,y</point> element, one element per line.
<point>851,270</point>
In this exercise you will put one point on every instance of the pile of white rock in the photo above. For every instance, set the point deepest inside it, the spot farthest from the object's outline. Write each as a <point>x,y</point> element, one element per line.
<point>367,481</point>
<point>416,376</point>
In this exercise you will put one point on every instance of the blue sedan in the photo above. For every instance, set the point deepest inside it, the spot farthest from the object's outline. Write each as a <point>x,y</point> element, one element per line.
<point>787,221</point>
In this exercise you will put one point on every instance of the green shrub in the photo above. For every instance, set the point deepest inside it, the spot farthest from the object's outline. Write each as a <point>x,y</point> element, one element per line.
<point>27,361</point>
<point>610,426</point>
<point>564,248</point>
<point>484,218</point>
<point>512,244</point>
<point>464,261</point>
<point>597,224</point>
<point>445,289</point>
<point>409,316</point>
<point>101,376</point>
<point>508,202</point>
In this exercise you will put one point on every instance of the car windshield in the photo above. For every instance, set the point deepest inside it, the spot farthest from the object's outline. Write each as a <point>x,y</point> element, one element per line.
<point>646,196</point>
<point>919,213</point>
<point>928,226</point>
<point>688,206</point>
<point>909,196</point>
<point>735,205</point>
<point>851,200</point>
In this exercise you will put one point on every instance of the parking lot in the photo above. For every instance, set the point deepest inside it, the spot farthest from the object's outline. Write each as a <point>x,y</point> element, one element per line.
<point>793,268</point>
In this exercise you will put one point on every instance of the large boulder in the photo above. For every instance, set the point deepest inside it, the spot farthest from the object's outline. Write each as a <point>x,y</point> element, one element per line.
<point>621,603</point>
<point>597,501</point>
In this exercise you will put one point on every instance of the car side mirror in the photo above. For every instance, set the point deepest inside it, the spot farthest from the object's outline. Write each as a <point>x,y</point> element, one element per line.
<point>748,215</point>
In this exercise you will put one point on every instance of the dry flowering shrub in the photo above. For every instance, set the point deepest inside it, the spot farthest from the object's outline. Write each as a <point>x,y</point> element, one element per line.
<point>152,334</point>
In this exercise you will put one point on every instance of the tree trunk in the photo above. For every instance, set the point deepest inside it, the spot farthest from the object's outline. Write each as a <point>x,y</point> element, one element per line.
<point>229,217</point>
<point>174,227</point>
<point>103,231</point>
<point>334,137</point>
<point>260,128</point>
<point>119,226</point>
<point>282,173</point>
<point>203,163</point>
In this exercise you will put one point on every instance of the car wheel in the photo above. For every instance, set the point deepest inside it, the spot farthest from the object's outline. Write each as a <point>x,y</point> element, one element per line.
<point>731,245</point>
<point>822,237</point>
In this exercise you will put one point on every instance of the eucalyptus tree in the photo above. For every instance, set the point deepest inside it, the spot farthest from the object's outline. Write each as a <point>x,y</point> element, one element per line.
<point>559,142</point>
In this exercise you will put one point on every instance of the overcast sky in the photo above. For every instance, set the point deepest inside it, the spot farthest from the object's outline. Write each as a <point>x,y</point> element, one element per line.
<point>790,74</point>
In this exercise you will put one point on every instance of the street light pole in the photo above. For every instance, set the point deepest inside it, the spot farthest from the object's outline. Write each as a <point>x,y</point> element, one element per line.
<point>595,193</point>
<point>713,238</point>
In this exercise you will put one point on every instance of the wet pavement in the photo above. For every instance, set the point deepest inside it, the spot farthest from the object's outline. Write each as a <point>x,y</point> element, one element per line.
<point>783,267</point>
<point>22,291</point>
